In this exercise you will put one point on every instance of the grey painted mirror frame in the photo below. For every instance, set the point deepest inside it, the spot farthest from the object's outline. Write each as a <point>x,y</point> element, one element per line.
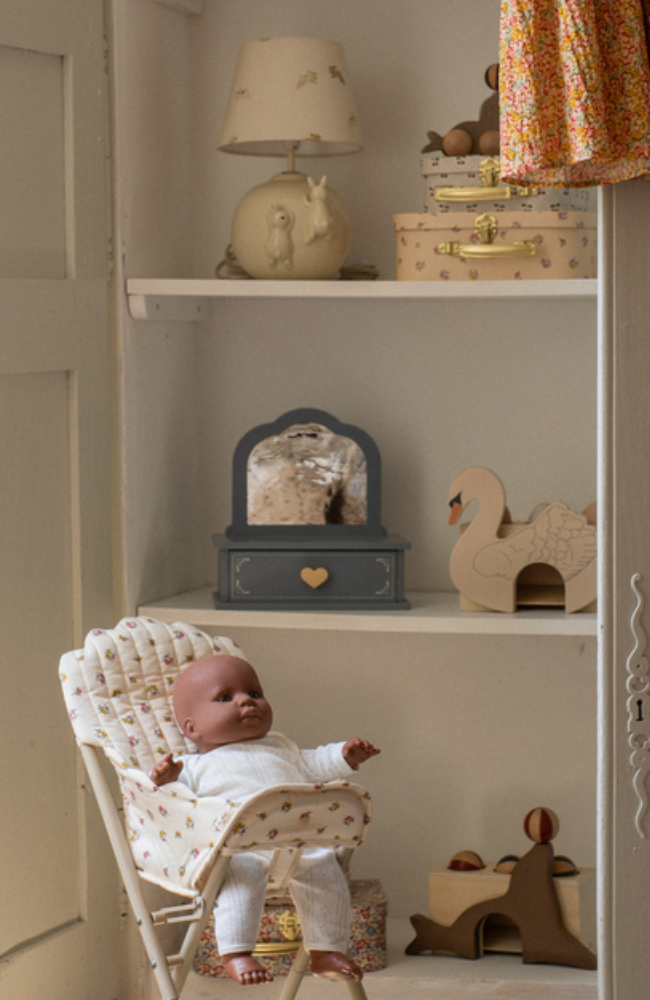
<point>240,527</point>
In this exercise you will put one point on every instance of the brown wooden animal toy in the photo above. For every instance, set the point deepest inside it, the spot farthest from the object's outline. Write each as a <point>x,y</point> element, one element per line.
<point>473,137</point>
<point>530,902</point>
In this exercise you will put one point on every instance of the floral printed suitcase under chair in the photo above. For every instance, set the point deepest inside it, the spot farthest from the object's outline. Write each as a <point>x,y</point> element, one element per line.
<point>280,925</point>
<point>461,246</point>
<point>473,184</point>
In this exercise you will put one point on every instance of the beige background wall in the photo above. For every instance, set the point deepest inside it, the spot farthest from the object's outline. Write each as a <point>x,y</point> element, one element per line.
<point>475,731</point>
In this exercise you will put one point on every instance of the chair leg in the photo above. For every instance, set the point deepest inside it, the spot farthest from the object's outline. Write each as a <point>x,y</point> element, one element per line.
<point>298,970</point>
<point>155,953</point>
<point>194,931</point>
<point>296,973</point>
<point>357,991</point>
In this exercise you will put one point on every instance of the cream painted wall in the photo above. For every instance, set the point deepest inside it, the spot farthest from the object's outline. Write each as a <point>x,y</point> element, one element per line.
<point>473,734</point>
<point>438,386</point>
<point>158,503</point>
<point>475,731</point>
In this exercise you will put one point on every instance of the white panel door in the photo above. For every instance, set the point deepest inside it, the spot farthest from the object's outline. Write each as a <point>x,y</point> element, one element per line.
<point>625,596</point>
<point>59,913</point>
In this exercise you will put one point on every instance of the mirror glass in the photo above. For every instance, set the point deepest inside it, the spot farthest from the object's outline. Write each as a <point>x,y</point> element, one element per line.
<point>307,475</point>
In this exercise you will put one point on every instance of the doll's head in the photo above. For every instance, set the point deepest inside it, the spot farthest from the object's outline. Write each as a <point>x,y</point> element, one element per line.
<point>219,700</point>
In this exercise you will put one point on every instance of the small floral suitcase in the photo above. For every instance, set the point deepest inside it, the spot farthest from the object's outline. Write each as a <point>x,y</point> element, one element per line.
<point>472,184</point>
<point>280,934</point>
<point>526,245</point>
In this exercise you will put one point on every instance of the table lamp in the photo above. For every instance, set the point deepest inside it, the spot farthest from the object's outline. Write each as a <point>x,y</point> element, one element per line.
<point>291,97</point>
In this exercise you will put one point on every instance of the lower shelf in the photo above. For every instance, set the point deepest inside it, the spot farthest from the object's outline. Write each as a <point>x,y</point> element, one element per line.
<point>437,977</point>
<point>429,612</point>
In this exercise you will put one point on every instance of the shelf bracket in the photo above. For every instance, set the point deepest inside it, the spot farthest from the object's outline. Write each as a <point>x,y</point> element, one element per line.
<point>169,308</point>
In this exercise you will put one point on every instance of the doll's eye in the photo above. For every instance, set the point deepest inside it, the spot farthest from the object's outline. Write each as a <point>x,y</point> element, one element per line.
<point>224,697</point>
<point>254,694</point>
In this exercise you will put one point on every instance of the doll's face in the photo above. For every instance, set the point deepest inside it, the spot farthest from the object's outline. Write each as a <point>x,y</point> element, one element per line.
<point>219,700</point>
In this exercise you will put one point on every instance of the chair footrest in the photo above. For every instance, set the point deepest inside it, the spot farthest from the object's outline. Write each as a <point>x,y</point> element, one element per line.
<point>183,913</point>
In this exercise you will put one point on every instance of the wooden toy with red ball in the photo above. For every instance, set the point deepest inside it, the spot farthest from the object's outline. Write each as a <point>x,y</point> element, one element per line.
<point>521,890</point>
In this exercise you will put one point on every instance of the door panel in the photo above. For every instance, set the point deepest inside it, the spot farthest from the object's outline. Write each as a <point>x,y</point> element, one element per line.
<point>60,914</point>
<point>35,540</point>
<point>32,158</point>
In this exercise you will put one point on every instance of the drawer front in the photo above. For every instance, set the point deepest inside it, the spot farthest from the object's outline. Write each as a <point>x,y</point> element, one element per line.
<point>310,577</point>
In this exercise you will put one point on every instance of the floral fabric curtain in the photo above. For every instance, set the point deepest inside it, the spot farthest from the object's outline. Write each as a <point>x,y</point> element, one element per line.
<point>574,91</point>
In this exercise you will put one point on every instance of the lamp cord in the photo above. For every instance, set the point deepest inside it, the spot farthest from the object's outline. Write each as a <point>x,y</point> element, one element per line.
<point>234,268</point>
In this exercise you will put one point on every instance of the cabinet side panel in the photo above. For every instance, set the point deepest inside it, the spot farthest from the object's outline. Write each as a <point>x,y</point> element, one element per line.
<point>625,589</point>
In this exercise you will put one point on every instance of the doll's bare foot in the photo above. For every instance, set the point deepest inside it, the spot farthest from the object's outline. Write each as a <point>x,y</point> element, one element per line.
<point>334,965</point>
<point>243,968</point>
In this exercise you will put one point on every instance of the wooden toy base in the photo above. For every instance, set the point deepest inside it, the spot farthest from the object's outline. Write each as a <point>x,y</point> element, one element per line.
<point>452,892</point>
<point>530,597</point>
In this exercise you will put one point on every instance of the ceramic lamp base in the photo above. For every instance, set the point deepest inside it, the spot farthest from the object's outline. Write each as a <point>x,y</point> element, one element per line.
<point>291,228</point>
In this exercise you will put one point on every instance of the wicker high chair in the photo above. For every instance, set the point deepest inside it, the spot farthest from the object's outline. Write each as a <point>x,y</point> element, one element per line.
<point>118,693</point>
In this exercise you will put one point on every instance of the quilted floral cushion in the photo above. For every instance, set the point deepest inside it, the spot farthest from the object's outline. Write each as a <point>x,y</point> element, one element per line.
<point>118,688</point>
<point>175,836</point>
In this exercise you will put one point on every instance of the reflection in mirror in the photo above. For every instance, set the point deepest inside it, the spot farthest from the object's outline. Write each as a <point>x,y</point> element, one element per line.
<point>307,475</point>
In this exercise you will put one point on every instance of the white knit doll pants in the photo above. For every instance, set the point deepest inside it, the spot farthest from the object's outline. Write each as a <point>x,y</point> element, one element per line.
<point>320,893</point>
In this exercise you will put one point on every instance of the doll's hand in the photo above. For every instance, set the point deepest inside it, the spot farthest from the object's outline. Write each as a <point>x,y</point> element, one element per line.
<point>357,751</point>
<point>166,770</point>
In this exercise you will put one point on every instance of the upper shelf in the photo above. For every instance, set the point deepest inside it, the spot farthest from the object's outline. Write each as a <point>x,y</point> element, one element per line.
<point>435,612</point>
<point>183,299</point>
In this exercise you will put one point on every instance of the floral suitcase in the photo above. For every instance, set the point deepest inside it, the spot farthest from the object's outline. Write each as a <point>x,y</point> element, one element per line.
<point>472,184</point>
<point>280,934</point>
<point>526,245</point>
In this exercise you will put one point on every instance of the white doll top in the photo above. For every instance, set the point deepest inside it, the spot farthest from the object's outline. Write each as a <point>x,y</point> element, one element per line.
<point>237,771</point>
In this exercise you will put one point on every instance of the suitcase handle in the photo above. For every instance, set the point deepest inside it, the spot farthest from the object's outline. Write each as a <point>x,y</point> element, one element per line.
<point>489,172</point>
<point>483,193</point>
<point>486,229</point>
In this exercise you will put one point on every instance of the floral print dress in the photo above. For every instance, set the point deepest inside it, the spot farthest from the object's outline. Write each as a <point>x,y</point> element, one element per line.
<point>574,91</point>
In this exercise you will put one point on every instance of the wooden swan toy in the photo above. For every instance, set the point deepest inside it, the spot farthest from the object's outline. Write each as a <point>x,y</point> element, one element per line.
<point>490,553</point>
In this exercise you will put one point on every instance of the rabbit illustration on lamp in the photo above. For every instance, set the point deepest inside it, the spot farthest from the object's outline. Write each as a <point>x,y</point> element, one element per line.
<point>279,245</point>
<point>321,223</point>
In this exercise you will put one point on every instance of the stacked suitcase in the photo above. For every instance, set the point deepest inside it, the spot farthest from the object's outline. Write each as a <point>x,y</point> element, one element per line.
<point>367,934</point>
<point>473,227</point>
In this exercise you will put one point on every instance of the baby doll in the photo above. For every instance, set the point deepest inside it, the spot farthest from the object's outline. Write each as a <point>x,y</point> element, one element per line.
<point>220,705</point>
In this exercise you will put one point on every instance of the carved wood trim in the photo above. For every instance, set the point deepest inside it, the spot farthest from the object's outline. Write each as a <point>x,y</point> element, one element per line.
<point>638,708</point>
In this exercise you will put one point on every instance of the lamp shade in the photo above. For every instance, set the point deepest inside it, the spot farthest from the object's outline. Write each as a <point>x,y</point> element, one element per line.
<point>291,91</point>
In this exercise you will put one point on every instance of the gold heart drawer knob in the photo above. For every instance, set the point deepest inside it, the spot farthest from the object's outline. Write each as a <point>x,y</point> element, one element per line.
<point>314,577</point>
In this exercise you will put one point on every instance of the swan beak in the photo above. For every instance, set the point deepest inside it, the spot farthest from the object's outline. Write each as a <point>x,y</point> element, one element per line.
<point>455,509</point>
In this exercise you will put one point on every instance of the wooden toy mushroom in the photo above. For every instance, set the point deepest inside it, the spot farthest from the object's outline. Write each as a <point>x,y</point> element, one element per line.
<point>466,861</point>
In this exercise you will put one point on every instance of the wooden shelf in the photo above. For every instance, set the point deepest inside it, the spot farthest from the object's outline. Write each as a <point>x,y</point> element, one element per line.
<point>183,299</point>
<point>430,613</point>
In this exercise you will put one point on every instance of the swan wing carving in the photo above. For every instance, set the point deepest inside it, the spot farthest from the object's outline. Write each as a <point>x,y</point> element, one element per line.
<point>558,537</point>
<point>506,557</point>
<point>566,541</point>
